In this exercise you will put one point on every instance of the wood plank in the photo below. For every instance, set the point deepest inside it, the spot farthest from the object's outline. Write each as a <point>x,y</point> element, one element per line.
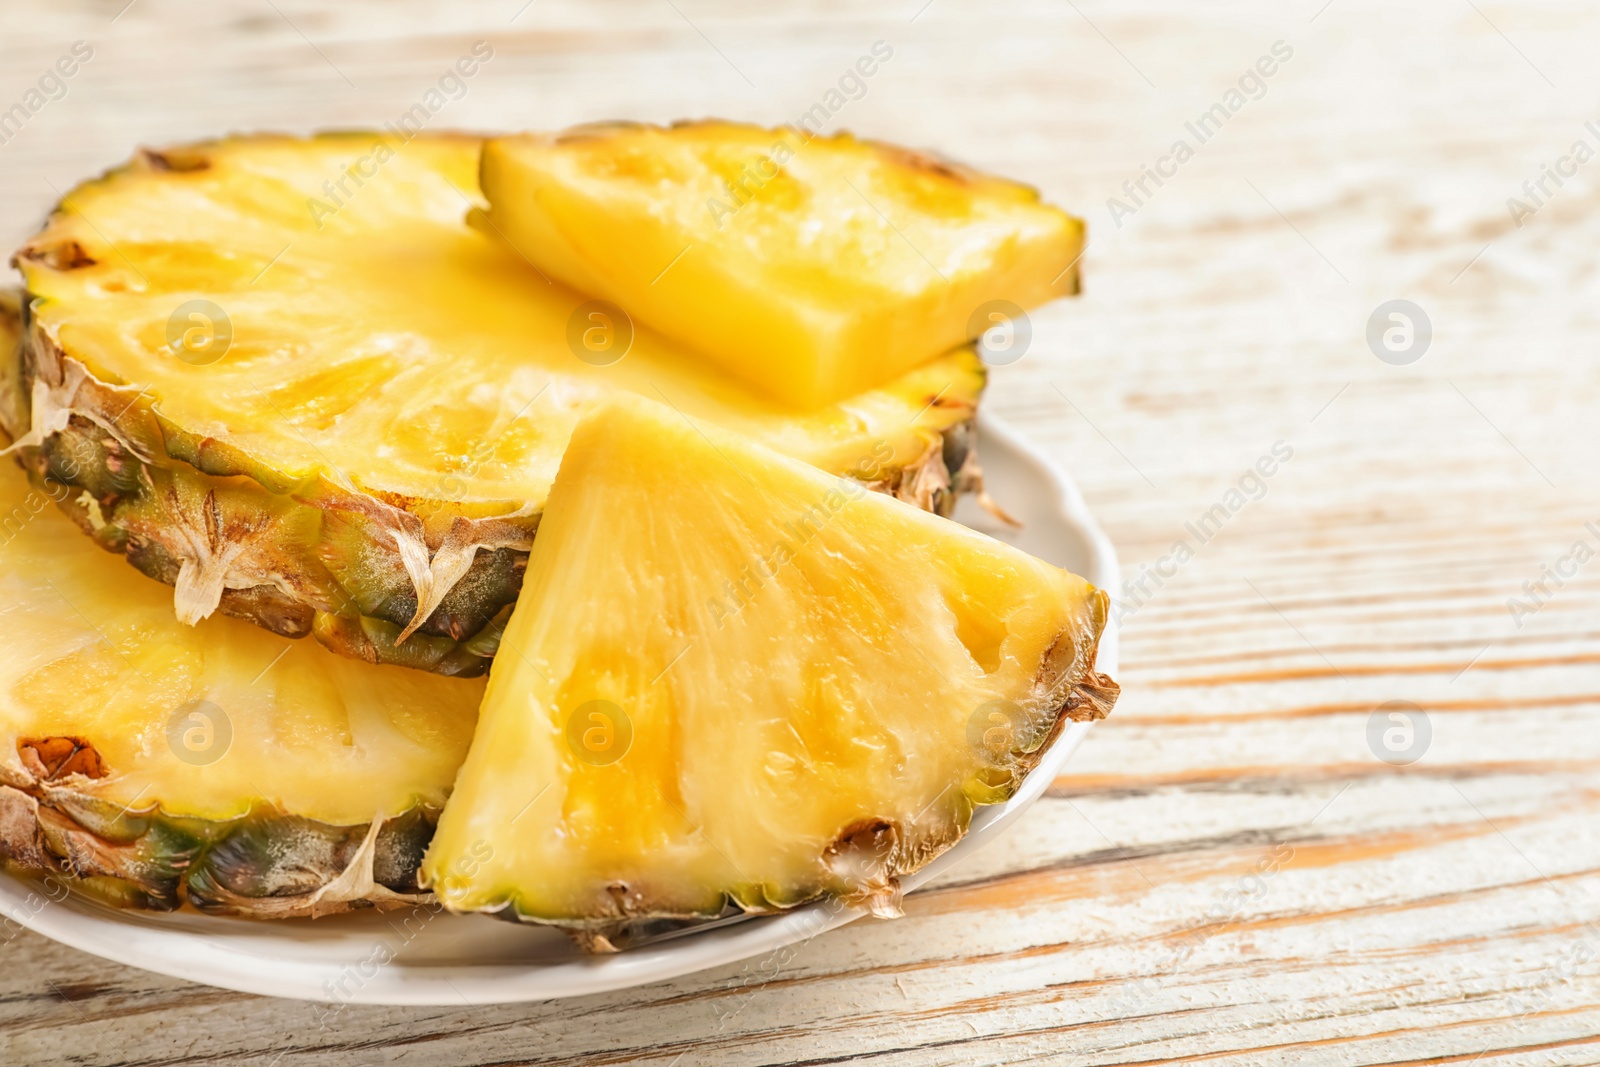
<point>1445,912</point>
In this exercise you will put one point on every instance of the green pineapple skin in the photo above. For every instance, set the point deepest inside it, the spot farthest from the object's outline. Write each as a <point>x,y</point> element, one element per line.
<point>264,865</point>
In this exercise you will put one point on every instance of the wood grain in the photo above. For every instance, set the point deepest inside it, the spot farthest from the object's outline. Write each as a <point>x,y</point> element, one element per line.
<point>1227,874</point>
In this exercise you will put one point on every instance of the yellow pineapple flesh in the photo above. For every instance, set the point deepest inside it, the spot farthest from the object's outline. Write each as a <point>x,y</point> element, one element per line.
<point>811,267</point>
<point>733,679</point>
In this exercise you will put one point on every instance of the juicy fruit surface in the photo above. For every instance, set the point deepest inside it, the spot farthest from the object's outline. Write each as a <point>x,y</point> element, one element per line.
<point>731,677</point>
<point>811,267</point>
<point>205,722</point>
<point>378,340</point>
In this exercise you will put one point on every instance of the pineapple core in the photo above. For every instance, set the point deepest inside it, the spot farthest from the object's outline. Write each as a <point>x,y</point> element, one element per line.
<point>733,678</point>
<point>810,267</point>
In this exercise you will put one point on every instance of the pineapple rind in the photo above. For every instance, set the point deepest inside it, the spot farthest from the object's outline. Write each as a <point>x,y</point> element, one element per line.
<point>406,541</point>
<point>262,865</point>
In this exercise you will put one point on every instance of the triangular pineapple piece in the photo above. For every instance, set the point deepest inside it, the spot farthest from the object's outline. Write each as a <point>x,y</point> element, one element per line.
<point>732,678</point>
<point>812,267</point>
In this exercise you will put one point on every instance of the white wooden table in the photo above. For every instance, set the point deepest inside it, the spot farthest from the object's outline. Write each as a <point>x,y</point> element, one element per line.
<point>1228,871</point>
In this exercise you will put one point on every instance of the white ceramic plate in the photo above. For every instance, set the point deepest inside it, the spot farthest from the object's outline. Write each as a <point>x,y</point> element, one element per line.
<point>424,958</point>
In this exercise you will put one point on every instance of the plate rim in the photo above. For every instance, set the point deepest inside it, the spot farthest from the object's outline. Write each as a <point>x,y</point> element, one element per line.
<point>146,944</point>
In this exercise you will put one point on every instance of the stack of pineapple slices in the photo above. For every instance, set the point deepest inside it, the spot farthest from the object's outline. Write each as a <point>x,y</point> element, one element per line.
<point>345,420</point>
<point>749,664</point>
<point>220,765</point>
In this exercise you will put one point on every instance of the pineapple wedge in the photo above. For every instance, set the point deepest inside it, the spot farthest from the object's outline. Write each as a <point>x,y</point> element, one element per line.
<point>296,385</point>
<point>732,679</point>
<point>152,764</point>
<point>813,268</point>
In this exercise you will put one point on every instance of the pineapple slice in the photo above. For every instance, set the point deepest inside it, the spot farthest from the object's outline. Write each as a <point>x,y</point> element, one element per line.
<point>732,678</point>
<point>151,763</point>
<point>298,386</point>
<point>813,268</point>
